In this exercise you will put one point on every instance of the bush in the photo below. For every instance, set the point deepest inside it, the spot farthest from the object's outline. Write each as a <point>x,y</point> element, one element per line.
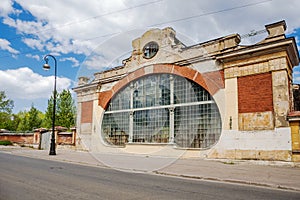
<point>5,142</point>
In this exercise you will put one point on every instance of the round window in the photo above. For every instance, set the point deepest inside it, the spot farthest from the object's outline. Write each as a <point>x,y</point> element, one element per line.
<point>150,50</point>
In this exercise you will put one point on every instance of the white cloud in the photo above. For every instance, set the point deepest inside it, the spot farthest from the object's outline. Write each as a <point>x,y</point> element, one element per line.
<point>64,33</point>
<point>297,41</point>
<point>296,79</point>
<point>71,59</point>
<point>296,73</point>
<point>22,26</point>
<point>61,33</point>
<point>36,57</point>
<point>23,83</point>
<point>34,43</point>
<point>6,45</point>
<point>6,7</point>
<point>94,62</point>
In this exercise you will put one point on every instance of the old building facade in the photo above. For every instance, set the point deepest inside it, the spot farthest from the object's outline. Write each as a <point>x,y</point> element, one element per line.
<point>216,99</point>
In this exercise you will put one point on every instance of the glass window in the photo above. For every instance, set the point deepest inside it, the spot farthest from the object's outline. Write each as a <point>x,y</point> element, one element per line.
<point>197,126</point>
<point>151,126</point>
<point>115,128</point>
<point>121,101</point>
<point>150,50</point>
<point>145,106</point>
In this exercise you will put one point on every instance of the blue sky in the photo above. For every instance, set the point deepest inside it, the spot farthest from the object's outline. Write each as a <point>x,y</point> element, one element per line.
<point>89,36</point>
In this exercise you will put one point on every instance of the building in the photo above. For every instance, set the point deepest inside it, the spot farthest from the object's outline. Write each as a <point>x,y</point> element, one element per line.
<point>216,99</point>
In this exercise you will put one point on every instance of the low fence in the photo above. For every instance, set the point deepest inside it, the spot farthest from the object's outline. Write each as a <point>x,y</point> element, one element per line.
<point>40,137</point>
<point>20,138</point>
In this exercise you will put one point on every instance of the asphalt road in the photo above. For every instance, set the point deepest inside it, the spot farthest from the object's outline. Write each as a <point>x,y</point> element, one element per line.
<point>27,178</point>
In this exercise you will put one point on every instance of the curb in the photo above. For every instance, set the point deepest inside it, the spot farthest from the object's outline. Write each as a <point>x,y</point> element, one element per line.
<point>272,186</point>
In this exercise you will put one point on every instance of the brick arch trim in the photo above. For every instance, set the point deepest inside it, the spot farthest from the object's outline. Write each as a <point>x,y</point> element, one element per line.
<point>210,81</point>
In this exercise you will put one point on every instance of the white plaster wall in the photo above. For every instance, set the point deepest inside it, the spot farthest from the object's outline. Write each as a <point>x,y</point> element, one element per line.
<point>107,86</point>
<point>278,139</point>
<point>231,104</point>
<point>219,98</point>
<point>206,66</point>
<point>78,118</point>
<point>86,128</point>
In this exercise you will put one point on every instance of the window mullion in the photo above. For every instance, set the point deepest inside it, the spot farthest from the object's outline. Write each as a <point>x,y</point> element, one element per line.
<point>171,111</point>
<point>131,113</point>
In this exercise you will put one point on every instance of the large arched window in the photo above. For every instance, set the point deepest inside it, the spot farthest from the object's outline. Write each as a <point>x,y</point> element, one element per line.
<point>162,108</point>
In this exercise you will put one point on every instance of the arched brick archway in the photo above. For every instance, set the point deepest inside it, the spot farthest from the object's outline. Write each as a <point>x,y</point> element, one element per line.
<point>210,81</point>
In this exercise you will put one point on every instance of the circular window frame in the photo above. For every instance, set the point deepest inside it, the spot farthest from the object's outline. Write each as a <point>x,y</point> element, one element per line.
<point>150,50</point>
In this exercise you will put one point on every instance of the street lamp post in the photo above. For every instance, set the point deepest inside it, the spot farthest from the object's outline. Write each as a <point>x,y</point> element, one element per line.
<point>47,67</point>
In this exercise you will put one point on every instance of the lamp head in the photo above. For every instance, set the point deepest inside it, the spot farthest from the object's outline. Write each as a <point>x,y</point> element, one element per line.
<point>46,66</point>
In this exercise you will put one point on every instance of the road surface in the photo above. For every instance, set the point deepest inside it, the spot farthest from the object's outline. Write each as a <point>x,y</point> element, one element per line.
<point>27,178</point>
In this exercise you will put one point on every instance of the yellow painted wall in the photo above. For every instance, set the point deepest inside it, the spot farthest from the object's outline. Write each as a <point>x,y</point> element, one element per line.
<point>295,126</point>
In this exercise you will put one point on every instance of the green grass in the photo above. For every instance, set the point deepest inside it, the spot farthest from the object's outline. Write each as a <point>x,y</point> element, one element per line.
<point>228,163</point>
<point>5,142</point>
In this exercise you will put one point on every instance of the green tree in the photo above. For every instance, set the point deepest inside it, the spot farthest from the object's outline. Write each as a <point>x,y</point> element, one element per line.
<point>6,106</point>
<point>23,123</point>
<point>29,120</point>
<point>47,122</point>
<point>15,120</point>
<point>65,111</point>
<point>34,120</point>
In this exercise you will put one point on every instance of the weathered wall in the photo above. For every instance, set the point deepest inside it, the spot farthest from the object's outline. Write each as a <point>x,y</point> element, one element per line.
<point>87,112</point>
<point>34,138</point>
<point>255,102</point>
<point>281,98</point>
<point>86,117</point>
<point>263,89</point>
<point>64,138</point>
<point>256,121</point>
<point>262,145</point>
<point>231,105</point>
<point>18,138</point>
<point>87,101</point>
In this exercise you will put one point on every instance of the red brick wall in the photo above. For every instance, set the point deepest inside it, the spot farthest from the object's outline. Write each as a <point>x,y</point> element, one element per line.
<point>87,112</point>
<point>64,139</point>
<point>34,138</point>
<point>104,98</point>
<point>21,139</point>
<point>255,93</point>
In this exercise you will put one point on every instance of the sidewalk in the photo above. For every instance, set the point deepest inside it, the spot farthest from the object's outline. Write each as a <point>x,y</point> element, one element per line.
<point>282,175</point>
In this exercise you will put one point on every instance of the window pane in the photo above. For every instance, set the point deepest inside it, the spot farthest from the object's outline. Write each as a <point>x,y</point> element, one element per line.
<point>120,101</point>
<point>115,128</point>
<point>151,126</point>
<point>197,126</point>
<point>186,91</point>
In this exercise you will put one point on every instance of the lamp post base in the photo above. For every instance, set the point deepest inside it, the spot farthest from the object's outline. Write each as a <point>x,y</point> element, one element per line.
<point>52,148</point>
<point>52,153</point>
